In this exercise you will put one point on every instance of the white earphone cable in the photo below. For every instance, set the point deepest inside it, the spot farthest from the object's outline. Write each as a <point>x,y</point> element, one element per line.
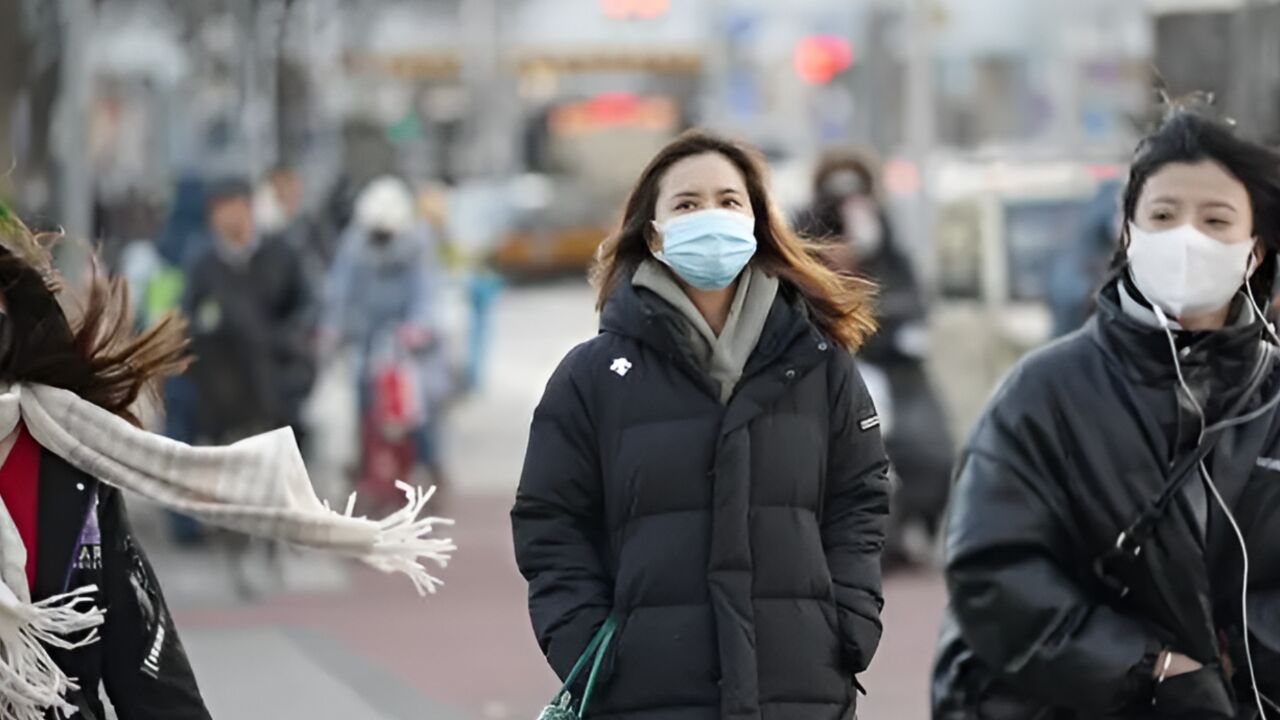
<point>1213,486</point>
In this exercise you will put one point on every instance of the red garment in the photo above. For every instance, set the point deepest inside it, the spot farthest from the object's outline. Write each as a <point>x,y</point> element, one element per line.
<point>20,490</point>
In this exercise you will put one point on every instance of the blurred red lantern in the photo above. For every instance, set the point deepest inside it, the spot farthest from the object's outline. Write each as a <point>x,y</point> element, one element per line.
<point>819,58</point>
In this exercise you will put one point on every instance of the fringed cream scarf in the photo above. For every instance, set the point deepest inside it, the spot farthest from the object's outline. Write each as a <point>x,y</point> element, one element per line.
<point>258,486</point>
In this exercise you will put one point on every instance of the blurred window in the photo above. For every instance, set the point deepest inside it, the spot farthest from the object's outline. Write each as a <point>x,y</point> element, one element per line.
<point>959,247</point>
<point>1035,233</point>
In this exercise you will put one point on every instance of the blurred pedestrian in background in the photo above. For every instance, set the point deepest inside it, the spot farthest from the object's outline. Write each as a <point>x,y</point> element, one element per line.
<point>708,473</point>
<point>383,298</point>
<point>1080,266</point>
<point>1095,547</point>
<point>482,285</point>
<point>281,198</point>
<point>848,215</point>
<point>250,306</point>
<point>184,237</point>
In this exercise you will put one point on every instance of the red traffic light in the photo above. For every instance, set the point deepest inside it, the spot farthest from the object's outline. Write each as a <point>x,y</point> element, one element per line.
<point>819,58</point>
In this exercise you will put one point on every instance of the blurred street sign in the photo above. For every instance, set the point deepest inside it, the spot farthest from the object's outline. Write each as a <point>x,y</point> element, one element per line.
<point>669,60</point>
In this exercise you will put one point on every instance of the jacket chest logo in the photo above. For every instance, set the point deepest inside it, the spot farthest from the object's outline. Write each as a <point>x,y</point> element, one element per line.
<point>88,556</point>
<point>621,366</point>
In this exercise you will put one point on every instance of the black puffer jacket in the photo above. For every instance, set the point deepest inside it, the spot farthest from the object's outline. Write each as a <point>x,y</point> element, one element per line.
<point>738,545</point>
<point>1080,436</point>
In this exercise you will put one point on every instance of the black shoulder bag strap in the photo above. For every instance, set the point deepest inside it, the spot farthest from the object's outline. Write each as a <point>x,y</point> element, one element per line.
<point>1128,545</point>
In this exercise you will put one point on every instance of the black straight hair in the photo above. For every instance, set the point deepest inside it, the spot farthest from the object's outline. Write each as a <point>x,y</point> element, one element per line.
<point>1191,132</point>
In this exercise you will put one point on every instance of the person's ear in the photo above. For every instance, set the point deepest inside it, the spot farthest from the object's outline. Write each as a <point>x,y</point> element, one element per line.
<point>653,236</point>
<point>1259,254</point>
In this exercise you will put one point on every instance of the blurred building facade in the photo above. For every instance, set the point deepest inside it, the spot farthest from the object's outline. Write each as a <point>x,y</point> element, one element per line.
<point>581,91</point>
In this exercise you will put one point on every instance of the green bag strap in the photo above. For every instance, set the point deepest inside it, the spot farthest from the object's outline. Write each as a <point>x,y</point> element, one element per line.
<point>594,653</point>
<point>608,629</point>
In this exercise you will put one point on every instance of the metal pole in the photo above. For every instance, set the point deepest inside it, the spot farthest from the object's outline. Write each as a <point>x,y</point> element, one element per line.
<point>251,110</point>
<point>75,167</point>
<point>478,23</point>
<point>920,122</point>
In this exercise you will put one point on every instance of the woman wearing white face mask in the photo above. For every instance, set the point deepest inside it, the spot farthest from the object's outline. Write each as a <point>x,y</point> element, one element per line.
<point>705,479</point>
<point>1096,545</point>
<point>848,214</point>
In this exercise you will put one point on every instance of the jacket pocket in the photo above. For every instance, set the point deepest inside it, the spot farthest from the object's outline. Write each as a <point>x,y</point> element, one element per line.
<point>1202,694</point>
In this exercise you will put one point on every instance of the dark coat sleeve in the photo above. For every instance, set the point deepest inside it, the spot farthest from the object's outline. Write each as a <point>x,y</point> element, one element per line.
<point>1019,608</point>
<point>296,313</point>
<point>1256,512</point>
<point>1264,632</point>
<point>855,513</point>
<point>293,323</point>
<point>558,522</point>
<point>146,672</point>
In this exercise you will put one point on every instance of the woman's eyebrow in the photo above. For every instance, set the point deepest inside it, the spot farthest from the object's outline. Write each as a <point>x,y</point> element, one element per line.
<point>1221,204</point>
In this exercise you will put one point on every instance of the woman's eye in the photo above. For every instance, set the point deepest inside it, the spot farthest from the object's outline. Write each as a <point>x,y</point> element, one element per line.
<point>1219,222</point>
<point>686,205</point>
<point>732,202</point>
<point>1161,215</point>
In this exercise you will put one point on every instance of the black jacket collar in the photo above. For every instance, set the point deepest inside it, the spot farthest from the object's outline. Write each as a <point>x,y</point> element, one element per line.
<point>640,314</point>
<point>1220,357</point>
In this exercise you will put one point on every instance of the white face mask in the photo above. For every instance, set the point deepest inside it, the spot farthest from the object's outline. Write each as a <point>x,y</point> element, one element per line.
<point>862,227</point>
<point>1185,272</point>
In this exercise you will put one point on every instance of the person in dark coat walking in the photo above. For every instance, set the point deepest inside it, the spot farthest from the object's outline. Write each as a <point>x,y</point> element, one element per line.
<point>252,318</point>
<point>1075,592</point>
<point>708,471</point>
<point>848,215</point>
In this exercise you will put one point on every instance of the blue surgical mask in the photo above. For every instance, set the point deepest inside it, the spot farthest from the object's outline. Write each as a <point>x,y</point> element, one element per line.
<point>708,248</point>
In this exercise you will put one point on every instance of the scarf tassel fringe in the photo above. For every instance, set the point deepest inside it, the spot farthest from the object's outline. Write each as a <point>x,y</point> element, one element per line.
<point>402,543</point>
<point>31,683</point>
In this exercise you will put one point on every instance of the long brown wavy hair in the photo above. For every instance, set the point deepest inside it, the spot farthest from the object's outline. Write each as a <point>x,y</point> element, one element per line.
<point>96,354</point>
<point>839,304</point>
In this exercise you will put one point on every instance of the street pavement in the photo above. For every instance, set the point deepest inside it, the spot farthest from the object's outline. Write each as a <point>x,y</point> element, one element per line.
<point>329,639</point>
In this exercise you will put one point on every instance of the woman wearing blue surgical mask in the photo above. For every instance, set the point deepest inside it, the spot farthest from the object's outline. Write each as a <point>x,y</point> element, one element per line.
<point>1113,548</point>
<point>705,486</point>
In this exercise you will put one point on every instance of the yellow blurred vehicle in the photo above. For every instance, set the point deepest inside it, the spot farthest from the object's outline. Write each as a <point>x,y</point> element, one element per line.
<point>588,153</point>
<point>548,250</point>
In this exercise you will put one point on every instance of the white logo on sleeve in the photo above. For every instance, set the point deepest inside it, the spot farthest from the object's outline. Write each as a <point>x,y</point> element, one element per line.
<point>622,366</point>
